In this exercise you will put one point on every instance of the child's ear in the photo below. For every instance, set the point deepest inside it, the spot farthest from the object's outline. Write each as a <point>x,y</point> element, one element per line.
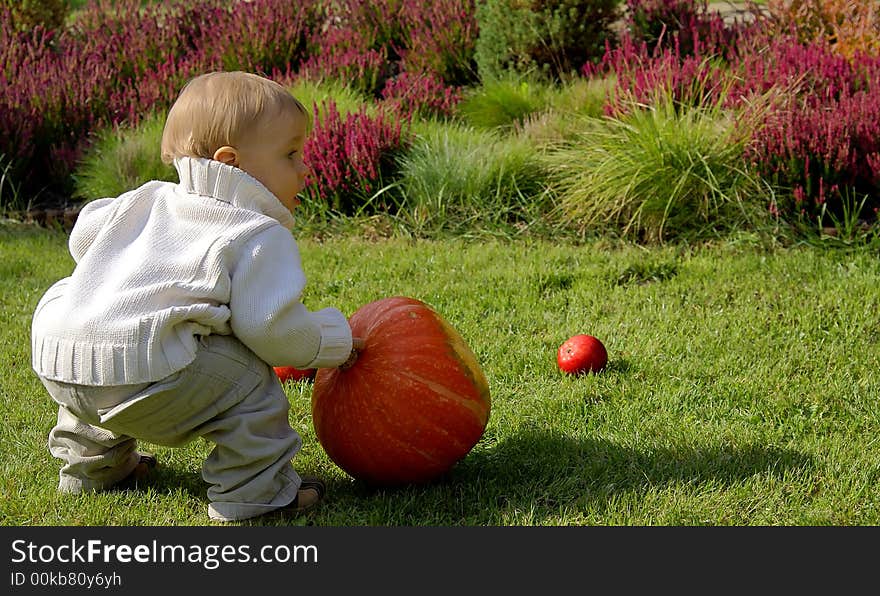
<point>227,155</point>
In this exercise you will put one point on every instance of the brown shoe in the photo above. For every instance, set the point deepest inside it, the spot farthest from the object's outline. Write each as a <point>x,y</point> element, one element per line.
<point>310,493</point>
<point>146,464</point>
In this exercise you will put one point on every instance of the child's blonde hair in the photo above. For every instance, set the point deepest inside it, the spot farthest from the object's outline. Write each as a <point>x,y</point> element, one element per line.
<point>218,109</point>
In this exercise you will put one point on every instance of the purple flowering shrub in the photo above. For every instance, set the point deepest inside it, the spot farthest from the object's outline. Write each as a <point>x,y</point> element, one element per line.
<point>439,39</point>
<point>641,74</point>
<point>811,114</point>
<point>687,24</point>
<point>822,141</point>
<point>352,156</point>
<point>120,60</point>
<point>368,42</point>
<point>339,54</point>
<point>423,95</point>
<point>676,46</point>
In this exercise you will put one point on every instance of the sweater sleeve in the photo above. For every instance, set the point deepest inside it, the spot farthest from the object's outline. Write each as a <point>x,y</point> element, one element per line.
<point>267,314</point>
<point>89,222</point>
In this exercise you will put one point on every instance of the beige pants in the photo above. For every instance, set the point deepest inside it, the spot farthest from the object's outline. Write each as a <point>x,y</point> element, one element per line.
<point>227,396</point>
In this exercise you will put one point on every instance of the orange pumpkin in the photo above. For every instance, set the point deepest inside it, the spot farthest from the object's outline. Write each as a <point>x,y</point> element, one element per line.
<point>413,403</point>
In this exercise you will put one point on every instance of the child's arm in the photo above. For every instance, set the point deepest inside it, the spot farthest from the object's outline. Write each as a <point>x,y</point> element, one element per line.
<point>266,307</point>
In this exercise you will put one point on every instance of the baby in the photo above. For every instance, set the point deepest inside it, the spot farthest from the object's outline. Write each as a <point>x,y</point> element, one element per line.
<point>183,298</point>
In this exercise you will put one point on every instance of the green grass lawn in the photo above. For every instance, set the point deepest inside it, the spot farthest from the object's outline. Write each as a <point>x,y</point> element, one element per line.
<point>741,389</point>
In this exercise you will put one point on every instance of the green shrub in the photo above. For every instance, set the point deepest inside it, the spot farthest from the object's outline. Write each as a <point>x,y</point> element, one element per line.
<point>27,14</point>
<point>121,159</point>
<point>554,38</point>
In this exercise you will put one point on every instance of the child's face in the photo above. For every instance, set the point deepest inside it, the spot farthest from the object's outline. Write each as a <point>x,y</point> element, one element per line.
<point>273,154</point>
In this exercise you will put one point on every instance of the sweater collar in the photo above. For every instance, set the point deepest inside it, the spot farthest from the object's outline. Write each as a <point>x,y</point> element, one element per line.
<point>211,178</point>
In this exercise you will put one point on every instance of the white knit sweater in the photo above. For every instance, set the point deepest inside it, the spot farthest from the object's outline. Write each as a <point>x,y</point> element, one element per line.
<point>162,264</point>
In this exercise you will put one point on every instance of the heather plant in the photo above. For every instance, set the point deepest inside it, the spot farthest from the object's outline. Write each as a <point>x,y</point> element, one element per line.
<point>378,21</point>
<point>368,42</point>
<point>268,36</point>
<point>822,144</point>
<point>640,75</point>
<point>687,25</point>
<point>122,158</point>
<point>658,172</point>
<point>128,60</point>
<point>422,95</point>
<point>343,55</point>
<point>352,157</point>
<point>440,40</point>
<point>456,179</point>
<point>549,38</point>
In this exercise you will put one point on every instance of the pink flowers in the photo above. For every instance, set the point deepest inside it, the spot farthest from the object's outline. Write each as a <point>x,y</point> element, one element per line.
<point>823,140</point>
<point>351,156</point>
<point>818,140</point>
<point>119,60</point>
<point>123,59</point>
<point>421,94</point>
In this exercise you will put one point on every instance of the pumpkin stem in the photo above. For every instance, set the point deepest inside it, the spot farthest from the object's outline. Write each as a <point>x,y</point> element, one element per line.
<point>352,358</point>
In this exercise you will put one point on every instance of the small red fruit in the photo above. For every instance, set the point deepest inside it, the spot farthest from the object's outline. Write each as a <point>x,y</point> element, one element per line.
<point>286,373</point>
<point>581,353</point>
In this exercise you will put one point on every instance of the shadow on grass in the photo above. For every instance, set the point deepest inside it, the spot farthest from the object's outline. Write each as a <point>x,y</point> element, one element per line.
<point>540,472</point>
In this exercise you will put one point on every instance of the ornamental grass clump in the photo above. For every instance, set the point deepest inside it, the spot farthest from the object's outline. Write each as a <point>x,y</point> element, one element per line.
<point>455,178</point>
<point>352,157</point>
<point>503,103</point>
<point>657,172</point>
<point>122,158</point>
